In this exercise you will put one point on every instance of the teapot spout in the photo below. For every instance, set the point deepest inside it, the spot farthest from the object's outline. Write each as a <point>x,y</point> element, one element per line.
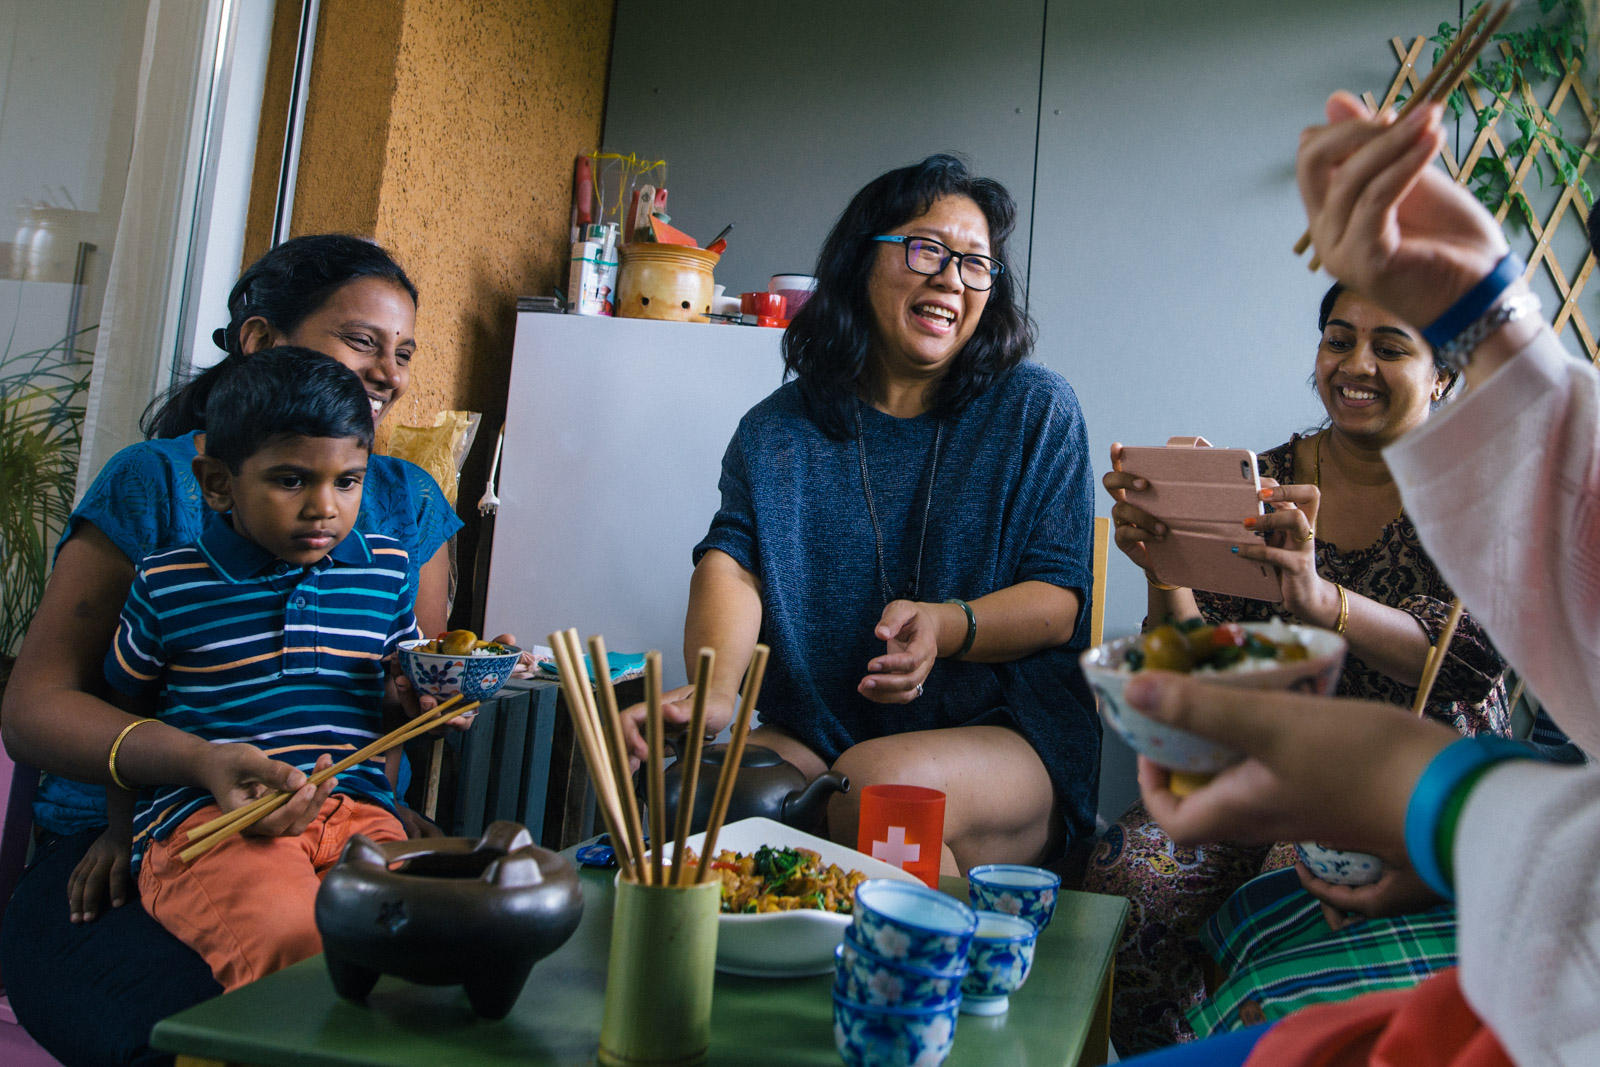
<point>804,807</point>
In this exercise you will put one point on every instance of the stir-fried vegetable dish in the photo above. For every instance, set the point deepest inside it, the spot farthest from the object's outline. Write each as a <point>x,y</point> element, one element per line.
<point>1193,645</point>
<point>782,879</point>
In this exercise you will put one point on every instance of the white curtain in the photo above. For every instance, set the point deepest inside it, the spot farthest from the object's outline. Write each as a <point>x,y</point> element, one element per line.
<point>133,355</point>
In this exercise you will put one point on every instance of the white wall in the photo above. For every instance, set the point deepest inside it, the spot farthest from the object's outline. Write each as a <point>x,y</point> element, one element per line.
<point>1159,190</point>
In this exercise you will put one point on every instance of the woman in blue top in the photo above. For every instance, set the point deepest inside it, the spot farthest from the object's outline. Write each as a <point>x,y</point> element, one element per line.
<point>90,991</point>
<point>907,525</point>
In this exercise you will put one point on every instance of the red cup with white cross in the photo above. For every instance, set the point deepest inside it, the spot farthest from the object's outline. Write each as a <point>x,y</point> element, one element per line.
<point>903,825</point>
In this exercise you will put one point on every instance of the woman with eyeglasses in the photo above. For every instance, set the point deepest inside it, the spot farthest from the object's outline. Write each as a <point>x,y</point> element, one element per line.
<point>907,524</point>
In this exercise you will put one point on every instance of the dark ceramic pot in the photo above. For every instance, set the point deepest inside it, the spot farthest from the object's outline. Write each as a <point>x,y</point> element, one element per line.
<point>442,911</point>
<point>768,787</point>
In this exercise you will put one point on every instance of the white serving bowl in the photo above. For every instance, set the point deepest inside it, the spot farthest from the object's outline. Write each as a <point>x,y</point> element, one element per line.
<point>1104,667</point>
<point>784,944</point>
<point>442,675</point>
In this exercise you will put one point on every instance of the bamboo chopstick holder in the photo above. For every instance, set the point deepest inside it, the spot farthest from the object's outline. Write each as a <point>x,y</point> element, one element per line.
<point>689,781</point>
<point>1442,80</point>
<point>611,716</point>
<point>1430,670</point>
<point>262,807</point>
<point>731,760</point>
<point>245,810</point>
<point>656,781</point>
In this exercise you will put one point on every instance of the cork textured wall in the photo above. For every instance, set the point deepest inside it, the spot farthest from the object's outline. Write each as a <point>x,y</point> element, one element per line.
<point>446,130</point>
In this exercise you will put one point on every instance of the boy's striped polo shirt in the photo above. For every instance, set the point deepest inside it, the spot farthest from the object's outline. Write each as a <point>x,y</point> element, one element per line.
<point>239,646</point>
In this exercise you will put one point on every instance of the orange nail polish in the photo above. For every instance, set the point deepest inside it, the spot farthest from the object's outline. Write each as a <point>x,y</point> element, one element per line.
<point>1250,523</point>
<point>1265,494</point>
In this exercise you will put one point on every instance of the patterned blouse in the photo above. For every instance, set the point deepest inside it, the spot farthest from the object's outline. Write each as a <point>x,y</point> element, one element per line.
<point>1469,693</point>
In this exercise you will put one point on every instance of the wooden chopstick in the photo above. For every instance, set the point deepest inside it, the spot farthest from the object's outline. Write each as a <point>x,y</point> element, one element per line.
<point>258,809</point>
<point>574,681</point>
<point>1436,654</point>
<point>689,780</point>
<point>731,760</point>
<point>1443,79</point>
<point>656,780</point>
<point>245,810</point>
<point>611,717</point>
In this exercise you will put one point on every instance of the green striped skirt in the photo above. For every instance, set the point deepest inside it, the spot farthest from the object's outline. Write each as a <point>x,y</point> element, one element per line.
<point>1277,953</point>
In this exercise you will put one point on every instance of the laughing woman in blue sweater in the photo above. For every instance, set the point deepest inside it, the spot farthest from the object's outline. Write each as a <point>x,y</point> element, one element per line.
<point>906,523</point>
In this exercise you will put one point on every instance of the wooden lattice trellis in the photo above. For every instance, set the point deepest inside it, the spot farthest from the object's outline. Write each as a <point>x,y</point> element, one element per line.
<point>1569,203</point>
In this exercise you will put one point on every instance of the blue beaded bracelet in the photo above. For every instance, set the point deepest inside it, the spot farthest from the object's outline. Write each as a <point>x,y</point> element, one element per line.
<point>1475,302</point>
<point>1448,775</point>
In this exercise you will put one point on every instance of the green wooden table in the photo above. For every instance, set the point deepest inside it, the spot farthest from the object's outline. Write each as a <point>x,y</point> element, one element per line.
<point>294,1016</point>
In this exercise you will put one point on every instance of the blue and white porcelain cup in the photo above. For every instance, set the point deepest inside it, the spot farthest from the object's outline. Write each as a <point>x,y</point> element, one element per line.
<point>1339,866</point>
<point>868,1036</point>
<point>997,963</point>
<point>869,979</point>
<point>1016,889</point>
<point>912,924</point>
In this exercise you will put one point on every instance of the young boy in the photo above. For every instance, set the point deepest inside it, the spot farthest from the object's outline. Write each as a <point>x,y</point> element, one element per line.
<point>269,631</point>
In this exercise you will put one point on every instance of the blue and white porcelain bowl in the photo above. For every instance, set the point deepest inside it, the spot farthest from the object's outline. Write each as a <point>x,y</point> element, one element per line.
<point>869,1036</point>
<point>866,978</point>
<point>1015,889</point>
<point>998,962</point>
<point>1339,866</point>
<point>441,675</point>
<point>1106,668</point>
<point>913,924</point>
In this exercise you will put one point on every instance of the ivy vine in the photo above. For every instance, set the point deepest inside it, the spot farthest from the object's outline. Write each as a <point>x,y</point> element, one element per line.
<point>1543,51</point>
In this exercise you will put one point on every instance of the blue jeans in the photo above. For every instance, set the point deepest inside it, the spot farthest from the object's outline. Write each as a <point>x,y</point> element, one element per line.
<point>90,992</point>
<point>1223,1050</point>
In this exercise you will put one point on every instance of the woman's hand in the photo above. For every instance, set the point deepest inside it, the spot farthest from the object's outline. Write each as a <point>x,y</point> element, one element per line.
<point>911,636</point>
<point>101,876</point>
<point>1315,768</point>
<point>1132,524</point>
<point>1384,219</point>
<point>677,706</point>
<point>1398,891</point>
<point>237,774</point>
<point>1290,548</point>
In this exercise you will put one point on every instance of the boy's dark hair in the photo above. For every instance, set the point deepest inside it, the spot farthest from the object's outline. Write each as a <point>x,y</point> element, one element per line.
<point>284,392</point>
<point>825,347</point>
<point>287,284</point>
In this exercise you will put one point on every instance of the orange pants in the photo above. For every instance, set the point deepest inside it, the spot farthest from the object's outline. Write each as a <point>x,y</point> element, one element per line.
<point>248,905</point>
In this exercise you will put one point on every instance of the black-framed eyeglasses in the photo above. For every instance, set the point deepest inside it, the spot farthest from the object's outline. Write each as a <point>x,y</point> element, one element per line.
<point>927,256</point>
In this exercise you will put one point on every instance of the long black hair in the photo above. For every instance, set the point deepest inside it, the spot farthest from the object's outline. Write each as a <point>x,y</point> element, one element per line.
<point>284,287</point>
<point>826,346</point>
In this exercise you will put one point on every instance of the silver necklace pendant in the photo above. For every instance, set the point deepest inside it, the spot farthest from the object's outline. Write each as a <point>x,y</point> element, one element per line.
<point>914,589</point>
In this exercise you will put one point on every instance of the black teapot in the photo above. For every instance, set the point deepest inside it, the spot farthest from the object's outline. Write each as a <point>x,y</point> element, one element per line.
<point>767,787</point>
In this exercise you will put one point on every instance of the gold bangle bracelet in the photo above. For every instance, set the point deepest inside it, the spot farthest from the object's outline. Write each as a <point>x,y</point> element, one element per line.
<point>111,761</point>
<point>1344,609</point>
<point>1163,586</point>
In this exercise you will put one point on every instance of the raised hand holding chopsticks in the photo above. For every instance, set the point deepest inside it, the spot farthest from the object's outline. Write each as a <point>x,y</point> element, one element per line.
<point>1447,74</point>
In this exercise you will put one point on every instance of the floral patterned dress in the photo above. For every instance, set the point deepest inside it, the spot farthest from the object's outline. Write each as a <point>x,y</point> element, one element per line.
<point>1162,962</point>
